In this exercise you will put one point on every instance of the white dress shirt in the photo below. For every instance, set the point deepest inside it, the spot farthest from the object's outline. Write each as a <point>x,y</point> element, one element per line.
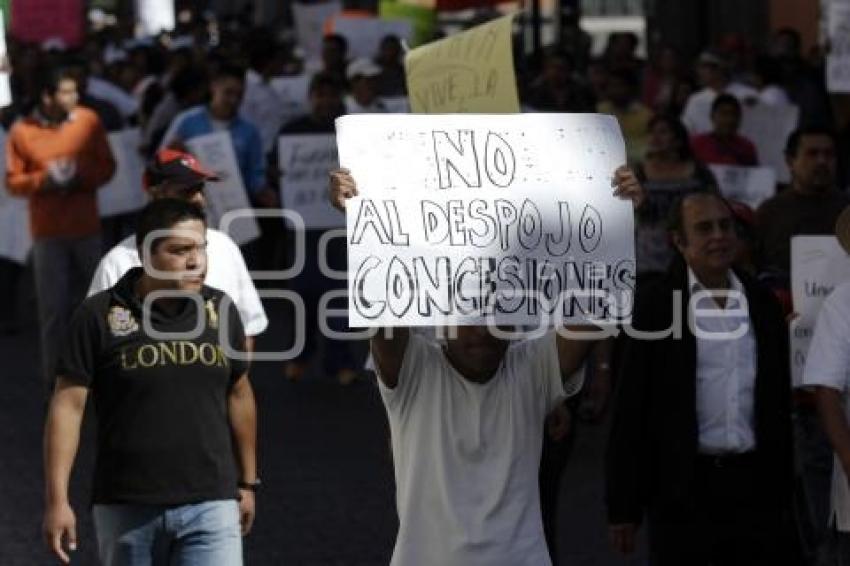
<point>726,369</point>
<point>226,271</point>
<point>828,365</point>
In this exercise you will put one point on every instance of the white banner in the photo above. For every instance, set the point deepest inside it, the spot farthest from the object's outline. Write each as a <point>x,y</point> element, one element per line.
<point>294,96</point>
<point>124,192</point>
<point>818,265</point>
<point>305,161</point>
<point>838,59</point>
<point>364,35</point>
<point>15,235</point>
<point>154,16</point>
<point>463,216</point>
<point>309,25</point>
<point>750,185</point>
<point>768,127</point>
<point>215,151</point>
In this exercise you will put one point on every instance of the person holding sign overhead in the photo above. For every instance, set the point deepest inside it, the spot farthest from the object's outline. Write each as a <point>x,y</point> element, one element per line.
<point>467,422</point>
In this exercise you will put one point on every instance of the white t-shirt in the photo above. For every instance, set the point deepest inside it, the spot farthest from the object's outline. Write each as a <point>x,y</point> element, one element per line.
<point>467,456</point>
<point>226,271</point>
<point>828,365</point>
<point>697,113</point>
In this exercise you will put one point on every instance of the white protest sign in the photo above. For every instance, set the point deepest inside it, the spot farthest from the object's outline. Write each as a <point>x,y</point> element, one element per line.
<point>154,16</point>
<point>768,127</point>
<point>364,35</point>
<point>818,265</point>
<point>750,185</point>
<point>124,191</point>
<point>305,161</point>
<point>5,84</point>
<point>838,59</point>
<point>461,217</point>
<point>228,193</point>
<point>15,235</point>
<point>309,25</point>
<point>294,95</point>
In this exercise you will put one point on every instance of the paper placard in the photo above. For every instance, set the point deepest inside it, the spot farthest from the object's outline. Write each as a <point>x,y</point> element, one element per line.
<point>838,58</point>
<point>216,152</point>
<point>818,265</point>
<point>155,16</point>
<point>15,235</point>
<point>750,185</point>
<point>309,25</point>
<point>472,71</point>
<point>464,216</point>
<point>768,127</point>
<point>305,161</point>
<point>294,95</point>
<point>364,35</point>
<point>124,191</point>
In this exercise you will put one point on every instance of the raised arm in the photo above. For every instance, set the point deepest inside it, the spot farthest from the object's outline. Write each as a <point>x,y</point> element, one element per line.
<point>61,440</point>
<point>388,348</point>
<point>341,188</point>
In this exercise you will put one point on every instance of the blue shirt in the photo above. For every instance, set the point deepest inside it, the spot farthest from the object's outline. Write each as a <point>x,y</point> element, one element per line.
<point>247,143</point>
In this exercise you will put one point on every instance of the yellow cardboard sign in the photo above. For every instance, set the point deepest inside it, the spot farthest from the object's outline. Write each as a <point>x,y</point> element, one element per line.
<point>469,72</point>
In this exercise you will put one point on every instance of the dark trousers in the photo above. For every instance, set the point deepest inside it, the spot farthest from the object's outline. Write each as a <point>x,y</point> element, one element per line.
<point>733,522</point>
<point>553,460</point>
<point>311,284</point>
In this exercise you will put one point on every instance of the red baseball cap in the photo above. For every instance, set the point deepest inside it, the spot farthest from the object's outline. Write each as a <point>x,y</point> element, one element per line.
<point>175,167</point>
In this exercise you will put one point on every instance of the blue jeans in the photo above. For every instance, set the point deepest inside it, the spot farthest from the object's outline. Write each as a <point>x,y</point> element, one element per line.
<point>202,534</point>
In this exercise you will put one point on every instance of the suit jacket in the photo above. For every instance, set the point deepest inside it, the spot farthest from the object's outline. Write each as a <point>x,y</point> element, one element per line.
<point>653,444</point>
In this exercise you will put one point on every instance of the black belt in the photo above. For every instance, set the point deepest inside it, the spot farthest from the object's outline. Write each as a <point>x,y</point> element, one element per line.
<point>730,460</point>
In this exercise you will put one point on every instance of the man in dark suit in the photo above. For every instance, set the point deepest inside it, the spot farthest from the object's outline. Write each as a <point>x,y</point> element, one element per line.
<point>701,437</point>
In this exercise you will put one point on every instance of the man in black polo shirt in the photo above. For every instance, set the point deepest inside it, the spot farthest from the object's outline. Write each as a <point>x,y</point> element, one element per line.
<point>176,464</point>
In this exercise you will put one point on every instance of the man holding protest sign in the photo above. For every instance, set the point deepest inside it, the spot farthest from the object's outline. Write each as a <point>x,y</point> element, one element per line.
<point>58,157</point>
<point>467,423</point>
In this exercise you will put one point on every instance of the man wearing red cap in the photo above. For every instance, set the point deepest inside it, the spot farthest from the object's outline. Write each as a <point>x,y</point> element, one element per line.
<point>176,174</point>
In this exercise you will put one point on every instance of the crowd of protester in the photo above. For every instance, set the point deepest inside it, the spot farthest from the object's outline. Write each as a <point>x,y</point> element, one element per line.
<point>685,454</point>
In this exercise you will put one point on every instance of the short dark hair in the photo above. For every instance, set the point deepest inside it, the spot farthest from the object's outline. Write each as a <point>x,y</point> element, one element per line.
<point>49,79</point>
<point>725,100</point>
<point>675,218</point>
<point>793,143</point>
<point>229,71</point>
<point>680,132</point>
<point>340,41</point>
<point>163,214</point>
<point>322,80</point>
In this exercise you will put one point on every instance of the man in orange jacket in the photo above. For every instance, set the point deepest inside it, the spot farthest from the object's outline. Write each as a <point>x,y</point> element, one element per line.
<point>58,157</point>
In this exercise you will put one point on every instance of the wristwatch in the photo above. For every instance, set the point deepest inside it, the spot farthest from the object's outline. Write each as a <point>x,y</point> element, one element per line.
<point>250,486</point>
